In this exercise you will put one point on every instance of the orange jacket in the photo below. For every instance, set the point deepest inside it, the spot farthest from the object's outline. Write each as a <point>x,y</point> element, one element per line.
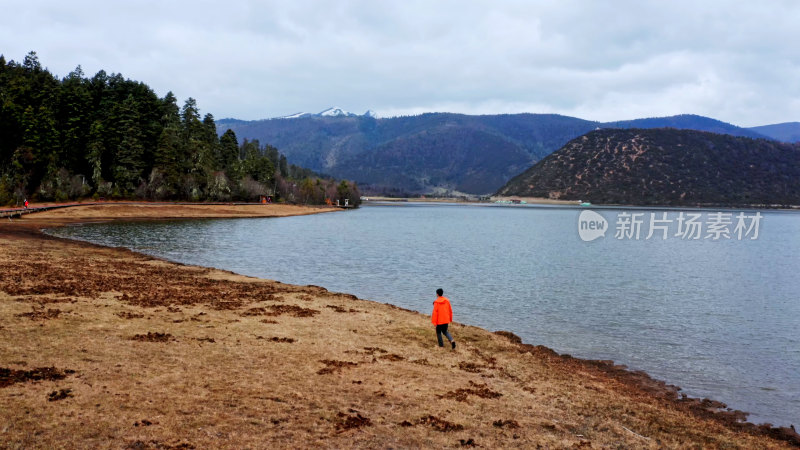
<point>442,312</point>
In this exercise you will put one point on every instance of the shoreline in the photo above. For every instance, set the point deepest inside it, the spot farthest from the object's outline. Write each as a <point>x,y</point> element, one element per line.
<point>575,204</point>
<point>98,211</point>
<point>609,377</point>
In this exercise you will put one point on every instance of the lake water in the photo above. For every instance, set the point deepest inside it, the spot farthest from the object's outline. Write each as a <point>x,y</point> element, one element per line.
<point>717,317</point>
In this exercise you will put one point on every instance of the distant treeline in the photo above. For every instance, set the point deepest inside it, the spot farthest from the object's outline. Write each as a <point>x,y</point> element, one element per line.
<point>107,136</point>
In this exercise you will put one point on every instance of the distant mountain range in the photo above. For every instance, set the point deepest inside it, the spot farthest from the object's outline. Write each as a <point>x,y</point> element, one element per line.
<point>439,151</point>
<point>687,122</point>
<point>665,167</point>
<point>784,132</point>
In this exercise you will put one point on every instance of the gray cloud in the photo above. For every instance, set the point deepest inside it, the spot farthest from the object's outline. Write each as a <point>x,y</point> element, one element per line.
<point>733,60</point>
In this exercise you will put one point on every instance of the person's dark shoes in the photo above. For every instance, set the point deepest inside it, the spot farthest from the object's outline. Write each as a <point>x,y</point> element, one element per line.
<point>453,344</point>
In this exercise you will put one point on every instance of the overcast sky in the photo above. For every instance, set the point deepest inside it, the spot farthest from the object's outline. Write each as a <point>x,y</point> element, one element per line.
<point>737,61</point>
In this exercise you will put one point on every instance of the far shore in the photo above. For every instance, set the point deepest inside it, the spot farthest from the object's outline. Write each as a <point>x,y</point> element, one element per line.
<point>577,203</point>
<point>105,347</point>
<point>424,199</point>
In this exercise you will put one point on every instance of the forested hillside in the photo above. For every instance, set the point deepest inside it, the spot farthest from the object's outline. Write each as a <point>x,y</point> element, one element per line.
<point>435,151</point>
<point>107,136</point>
<point>665,167</point>
<point>417,154</point>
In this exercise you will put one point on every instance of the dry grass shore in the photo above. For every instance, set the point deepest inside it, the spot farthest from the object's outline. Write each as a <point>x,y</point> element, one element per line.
<point>106,348</point>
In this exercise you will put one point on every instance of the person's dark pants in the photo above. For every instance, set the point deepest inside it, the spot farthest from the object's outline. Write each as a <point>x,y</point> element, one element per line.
<point>440,330</point>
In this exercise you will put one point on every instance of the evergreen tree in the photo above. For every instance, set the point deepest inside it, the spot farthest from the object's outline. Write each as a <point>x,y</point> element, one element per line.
<point>284,166</point>
<point>31,63</point>
<point>41,137</point>
<point>193,136</point>
<point>343,192</point>
<point>273,155</point>
<point>129,163</point>
<point>167,157</point>
<point>210,131</point>
<point>193,131</point>
<point>170,147</point>
<point>229,151</point>
<point>170,112</point>
<point>74,121</point>
<point>208,151</point>
<point>96,150</point>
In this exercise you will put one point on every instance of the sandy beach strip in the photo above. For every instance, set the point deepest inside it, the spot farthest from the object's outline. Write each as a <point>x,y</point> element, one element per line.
<point>104,347</point>
<point>108,211</point>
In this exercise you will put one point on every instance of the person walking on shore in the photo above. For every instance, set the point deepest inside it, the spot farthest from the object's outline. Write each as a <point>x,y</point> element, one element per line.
<point>26,203</point>
<point>441,317</point>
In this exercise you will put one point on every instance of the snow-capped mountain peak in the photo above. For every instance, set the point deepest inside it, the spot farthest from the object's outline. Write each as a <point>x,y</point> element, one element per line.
<point>335,112</point>
<point>330,112</point>
<point>295,115</point>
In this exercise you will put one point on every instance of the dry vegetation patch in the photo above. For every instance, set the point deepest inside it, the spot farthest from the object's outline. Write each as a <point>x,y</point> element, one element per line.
<point>129,315</point>
<point>11,376</point>
<point>475,389</point>
<point>157,445</point>
<point>278,339</point>
<point>469,443</point>
<point>506,423</point>
<point>41,314</point>
<point>291,310</point>
<point>471,367</point>
<point>255,312</point>
<point>439,424</point>
<point>373,350</point>
<point>351,421</point>
<point>333,366</point>
<point>60,394</point>
<point>153,337</point>
<point>510,336</point>
<point>42,300</point>
<point>340,309</point>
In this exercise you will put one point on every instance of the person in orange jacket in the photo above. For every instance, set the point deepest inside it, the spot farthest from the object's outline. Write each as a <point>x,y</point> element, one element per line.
<point>441,317</point>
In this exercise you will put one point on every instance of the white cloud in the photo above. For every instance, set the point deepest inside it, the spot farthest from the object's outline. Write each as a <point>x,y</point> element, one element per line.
<point>733,60</point>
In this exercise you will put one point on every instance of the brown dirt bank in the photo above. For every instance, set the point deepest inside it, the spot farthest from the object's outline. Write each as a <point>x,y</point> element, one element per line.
<point>152,354</point>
